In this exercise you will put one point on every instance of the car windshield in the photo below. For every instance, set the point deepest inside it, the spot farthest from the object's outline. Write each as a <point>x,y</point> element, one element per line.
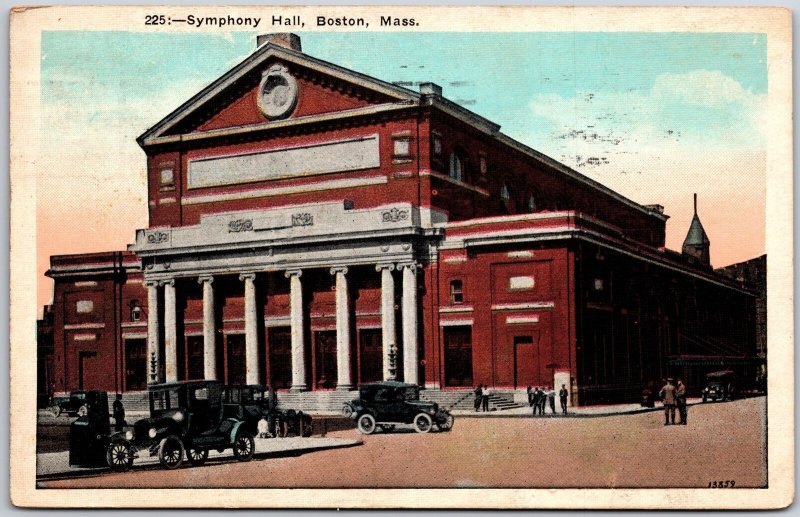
<point>410,394</point>
<point>161,400</point>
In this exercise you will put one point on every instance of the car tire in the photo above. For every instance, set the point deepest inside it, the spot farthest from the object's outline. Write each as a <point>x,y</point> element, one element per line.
<point>347,410</point>
<point>83,410</point>
<point>422,423</point>
<point>196,456</point>
<point>170,452</point>
<point>119,456</point>
<point>55,411</point>
<point>244,446</point>
<point>447,425</point>
<point>366,424</point>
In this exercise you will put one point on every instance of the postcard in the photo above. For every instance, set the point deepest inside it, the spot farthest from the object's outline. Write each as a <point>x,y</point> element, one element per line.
<point>401,257</point>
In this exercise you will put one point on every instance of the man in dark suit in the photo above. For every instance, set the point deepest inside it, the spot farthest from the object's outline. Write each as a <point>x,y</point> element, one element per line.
<point>680,399</point>
<point>562,395</point>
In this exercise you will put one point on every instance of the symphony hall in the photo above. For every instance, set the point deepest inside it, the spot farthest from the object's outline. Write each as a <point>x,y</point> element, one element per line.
<point>311,228</point>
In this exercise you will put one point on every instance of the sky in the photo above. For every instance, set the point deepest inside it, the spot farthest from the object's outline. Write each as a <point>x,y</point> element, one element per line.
<point>654,116</point>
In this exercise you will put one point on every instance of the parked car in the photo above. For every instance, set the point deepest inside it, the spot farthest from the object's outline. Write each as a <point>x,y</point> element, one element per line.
<point>387,404</point>
<point>73,405</point>
<point>251,402</point>
<point>89,435</point>
<point>185,417</point>
<point>720,386</point>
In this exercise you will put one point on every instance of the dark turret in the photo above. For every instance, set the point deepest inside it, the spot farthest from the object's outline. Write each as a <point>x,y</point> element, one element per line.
<point>696,245</point>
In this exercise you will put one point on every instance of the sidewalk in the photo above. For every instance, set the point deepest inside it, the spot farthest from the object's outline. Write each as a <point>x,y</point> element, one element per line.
<point>56,464</point>
<point>572,412</point>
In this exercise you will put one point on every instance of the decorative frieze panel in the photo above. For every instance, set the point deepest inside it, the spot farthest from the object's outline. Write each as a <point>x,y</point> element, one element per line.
<point>240,225</point>
<point>157,237</point>
<point>394,215</point>
<point>302,219</point>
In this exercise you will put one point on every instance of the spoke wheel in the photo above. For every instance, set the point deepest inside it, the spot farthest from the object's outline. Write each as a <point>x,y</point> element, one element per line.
<point>119,456</point>
<point>347,410</point>
<point>422,423</point>
<point>170,452</point>
<point>55,411</point>
<point>244,447</point>
<point>196,456</point>
<point>366,424</point>
<point>448,423</point>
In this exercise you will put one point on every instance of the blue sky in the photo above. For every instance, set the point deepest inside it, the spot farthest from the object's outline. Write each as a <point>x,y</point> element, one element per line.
<point>655,116</point>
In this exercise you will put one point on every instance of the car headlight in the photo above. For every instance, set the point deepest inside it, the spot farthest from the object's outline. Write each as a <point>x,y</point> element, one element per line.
<point>152,432</point>
<point>178,417</point>
<point>128,435</point>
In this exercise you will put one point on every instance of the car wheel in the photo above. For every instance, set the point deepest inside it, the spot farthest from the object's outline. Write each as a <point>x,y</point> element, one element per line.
<point>366,424</point>
<point>347,410</point>
<point>119,456</point>
<point>423,423</point>
<point>170,452</point>
<point>83,410</point>
<point>244,447</point>
<point>447,424</point>
<point>196,456</point>
<point>55,411</point>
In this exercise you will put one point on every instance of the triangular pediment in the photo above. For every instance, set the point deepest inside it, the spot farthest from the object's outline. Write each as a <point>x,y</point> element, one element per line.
<point>306,87</point>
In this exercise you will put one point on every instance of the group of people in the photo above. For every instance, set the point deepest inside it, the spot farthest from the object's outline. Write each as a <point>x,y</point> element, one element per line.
<point>674,396</point>
<point>538,397</point>
<point>482,397</point>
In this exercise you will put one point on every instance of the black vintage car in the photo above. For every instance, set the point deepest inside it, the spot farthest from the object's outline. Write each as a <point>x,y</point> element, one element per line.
<point>720,386</point>
<point>185,417</point>
<point>89,435</point>
<point>387,404</point>
<point>73,405</point>
<point>251,402</point>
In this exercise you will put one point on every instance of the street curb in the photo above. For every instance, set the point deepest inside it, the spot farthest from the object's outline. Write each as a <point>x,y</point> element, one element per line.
<point>499,414</point>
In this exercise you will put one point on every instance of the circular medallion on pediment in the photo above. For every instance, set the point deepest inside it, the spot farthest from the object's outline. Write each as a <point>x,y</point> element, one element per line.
<point>277,94</point>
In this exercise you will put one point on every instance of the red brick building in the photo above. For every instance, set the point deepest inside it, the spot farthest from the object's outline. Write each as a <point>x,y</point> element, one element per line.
<point>313,228</point>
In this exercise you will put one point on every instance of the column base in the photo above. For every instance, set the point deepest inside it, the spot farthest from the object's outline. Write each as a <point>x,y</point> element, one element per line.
<point>345,387</point>
<point>298,389</point>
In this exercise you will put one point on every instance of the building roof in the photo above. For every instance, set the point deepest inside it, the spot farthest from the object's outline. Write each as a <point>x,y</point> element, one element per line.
<point>697,234</point>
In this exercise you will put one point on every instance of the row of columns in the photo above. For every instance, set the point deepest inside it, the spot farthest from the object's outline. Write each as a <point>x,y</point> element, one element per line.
<point>344,375</point>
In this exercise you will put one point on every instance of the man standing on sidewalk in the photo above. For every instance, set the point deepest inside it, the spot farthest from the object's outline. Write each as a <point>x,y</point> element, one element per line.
<point>668,398</point>
<point>680,398</point>
<point>562,395</point>
<point>485,398</point>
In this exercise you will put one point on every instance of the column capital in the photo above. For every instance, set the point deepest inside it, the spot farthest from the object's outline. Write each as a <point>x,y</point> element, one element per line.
<point>247,276</point>
<point>411,266</point>
<point>205,278</point>
<point>339,269</point>
<point>293,272</point>
<point>381,267</point>
<point>150,283</point>
<point>169,281</point>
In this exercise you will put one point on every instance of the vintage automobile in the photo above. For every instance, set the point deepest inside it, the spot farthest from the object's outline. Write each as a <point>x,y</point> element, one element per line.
<point>387,404</point>
<point>720,386</point>
<point>73,405</point>
<point>251,402</point>
<point>185,417</point>
<point>89,434</point>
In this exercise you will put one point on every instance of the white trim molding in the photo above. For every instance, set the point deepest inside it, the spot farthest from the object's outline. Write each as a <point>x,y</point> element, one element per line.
<point>523,306</point>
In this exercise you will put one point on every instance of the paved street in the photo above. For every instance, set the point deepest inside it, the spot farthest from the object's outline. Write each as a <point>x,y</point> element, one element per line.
<point>723,441</point>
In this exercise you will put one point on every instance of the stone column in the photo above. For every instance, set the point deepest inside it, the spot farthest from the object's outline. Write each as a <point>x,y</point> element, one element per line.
<point>343,375</point>
<point>409,311</point>
<point>153,353</point>
<point>388,333</point>
<point>298,340</point>
<point>209,329</point>
<point>170,332</point>
<point>250,328</point>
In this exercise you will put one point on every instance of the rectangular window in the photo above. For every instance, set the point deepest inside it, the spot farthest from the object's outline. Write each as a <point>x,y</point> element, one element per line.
<point>167,178</point>
<point>598,284</point>
<point>456,292</point>
<point>437,145</point>
<point>402,147</point>
<point>484,165</point>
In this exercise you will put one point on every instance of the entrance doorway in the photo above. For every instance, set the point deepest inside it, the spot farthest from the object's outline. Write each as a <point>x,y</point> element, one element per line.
<point>458,356</point>
<point>236,363</point>
<point>526,360</point>
<point>135,364</point>
<point>325,359</point>
<point>280,357</point>
<point>370,355</point>
<point>195,367</point>
<point>86,366</point>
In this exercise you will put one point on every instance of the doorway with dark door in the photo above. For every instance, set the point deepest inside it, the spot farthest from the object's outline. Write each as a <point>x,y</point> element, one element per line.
<point>324,367</point>
<point>370,355</point>
<point>86,368</point>
<point>458,356</point>
<point>195,364</point>
<point>526,360</point>
<point>280,357</point>
<point>236,366</point>
<point>135,364</point>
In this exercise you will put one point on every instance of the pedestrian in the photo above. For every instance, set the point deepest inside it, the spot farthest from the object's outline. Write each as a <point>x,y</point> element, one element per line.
<point>119,413</point>
<point>680,399</point>
<point>263,428</point>
<point>562,394</point>
<point>551,399</point>
<point>542,400</point>
<point>667,394</point>
<point>485,398</point>
<point>535,400</point>
<point>478,397</point>
<point>529,390</point>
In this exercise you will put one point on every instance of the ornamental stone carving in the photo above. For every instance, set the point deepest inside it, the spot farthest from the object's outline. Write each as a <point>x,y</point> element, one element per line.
<point>394,215</point>
<point>278,92</point>
<point>240,225</point>
<point>157,237</point>
<point>302,219</point>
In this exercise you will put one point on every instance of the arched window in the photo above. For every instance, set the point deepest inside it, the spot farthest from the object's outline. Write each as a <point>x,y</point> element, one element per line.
<point>531,203</point>
<point>505,193</point>
<point>456,167</point>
